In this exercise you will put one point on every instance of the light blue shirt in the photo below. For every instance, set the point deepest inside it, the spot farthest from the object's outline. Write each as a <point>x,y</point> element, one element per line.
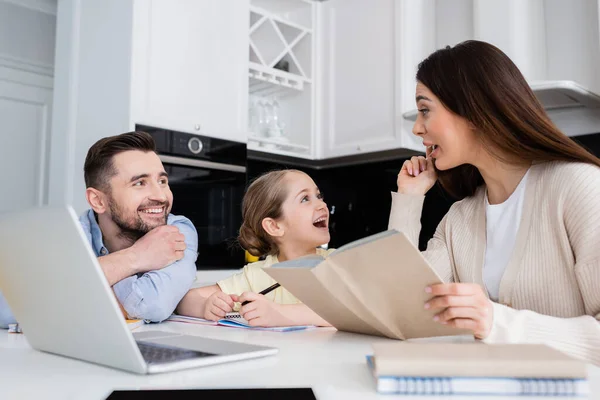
<point>153,295</point>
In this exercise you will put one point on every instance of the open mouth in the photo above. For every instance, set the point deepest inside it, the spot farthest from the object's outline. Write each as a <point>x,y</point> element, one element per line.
<point>434,150</point>
<point>320,222</point>
<point>153,211</point>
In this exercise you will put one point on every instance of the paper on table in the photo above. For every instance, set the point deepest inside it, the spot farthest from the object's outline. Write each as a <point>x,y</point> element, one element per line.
<point>234,320</point>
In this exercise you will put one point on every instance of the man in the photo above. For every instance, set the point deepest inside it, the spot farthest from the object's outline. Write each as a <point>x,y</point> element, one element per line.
<point>147,254</point>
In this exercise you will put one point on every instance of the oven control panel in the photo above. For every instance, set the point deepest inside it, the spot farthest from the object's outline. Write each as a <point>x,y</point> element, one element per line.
<point>189,145</point>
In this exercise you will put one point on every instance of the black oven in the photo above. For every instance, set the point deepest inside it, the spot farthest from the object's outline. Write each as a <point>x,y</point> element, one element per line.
<point>207,177</point>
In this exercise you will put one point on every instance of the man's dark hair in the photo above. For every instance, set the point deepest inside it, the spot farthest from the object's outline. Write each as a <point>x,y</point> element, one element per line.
<point>99,167</point>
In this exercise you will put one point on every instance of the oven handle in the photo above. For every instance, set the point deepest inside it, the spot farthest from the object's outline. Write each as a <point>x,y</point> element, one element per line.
<point>201,164</point>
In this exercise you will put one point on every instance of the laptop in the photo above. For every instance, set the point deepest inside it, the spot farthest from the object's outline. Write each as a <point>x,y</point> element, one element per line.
<point>57,291</point>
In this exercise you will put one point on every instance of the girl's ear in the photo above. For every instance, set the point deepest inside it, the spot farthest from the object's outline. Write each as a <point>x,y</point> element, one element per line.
<point>272,227</point>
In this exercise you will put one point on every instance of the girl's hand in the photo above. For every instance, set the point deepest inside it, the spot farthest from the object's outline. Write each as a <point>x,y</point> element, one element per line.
<point>217,305</point>
<point>417,175</point>
<point>464,306</point>
<point>261,311</point>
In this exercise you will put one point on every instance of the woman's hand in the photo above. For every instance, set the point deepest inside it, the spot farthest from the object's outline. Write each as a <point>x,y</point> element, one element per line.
<point>417,175</point>
<point>262,311</point>
<point>464,306</point>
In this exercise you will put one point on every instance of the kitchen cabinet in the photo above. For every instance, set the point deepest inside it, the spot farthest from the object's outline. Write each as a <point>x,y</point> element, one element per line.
<point>554,43</point>
<point>343,66</point>
<point>174,64</point>
<point>283,77</point>
<point>190,66</point>
<point>358,57</point>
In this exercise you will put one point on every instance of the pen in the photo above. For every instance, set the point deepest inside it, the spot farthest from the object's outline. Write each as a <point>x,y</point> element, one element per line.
<point>267,290</point>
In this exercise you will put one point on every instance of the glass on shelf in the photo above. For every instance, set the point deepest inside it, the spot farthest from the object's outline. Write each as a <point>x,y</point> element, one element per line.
<point>264,120</point>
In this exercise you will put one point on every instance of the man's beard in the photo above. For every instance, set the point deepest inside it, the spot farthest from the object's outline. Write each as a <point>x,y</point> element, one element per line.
<point>134,228</point>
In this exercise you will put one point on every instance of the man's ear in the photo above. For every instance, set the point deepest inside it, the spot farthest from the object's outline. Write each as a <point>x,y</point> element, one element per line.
<point>97,200</point>
<point>272,227</point>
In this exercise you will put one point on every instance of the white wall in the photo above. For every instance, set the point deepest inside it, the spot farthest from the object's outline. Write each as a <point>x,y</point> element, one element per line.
<point>27,34</point>
<point>573,38</point>
<point>92,88</point>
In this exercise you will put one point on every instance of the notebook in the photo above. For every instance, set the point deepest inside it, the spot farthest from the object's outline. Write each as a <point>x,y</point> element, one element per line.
<point>235,320</point>
<point>476,369</point>
<point>374,286</point>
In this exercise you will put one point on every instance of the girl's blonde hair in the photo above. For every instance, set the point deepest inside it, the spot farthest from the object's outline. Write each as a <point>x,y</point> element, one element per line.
<point>263,199</point>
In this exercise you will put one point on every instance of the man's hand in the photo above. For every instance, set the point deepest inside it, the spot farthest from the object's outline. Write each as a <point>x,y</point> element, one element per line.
<point>464,305</point>
<point>158,248</point>
<point>261,311</point>
<point>218,304</point>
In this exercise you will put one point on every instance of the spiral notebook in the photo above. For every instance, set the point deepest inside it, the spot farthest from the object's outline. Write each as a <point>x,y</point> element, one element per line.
<point>476,369</point>
<point>462,386</point>
<point>235,320</point>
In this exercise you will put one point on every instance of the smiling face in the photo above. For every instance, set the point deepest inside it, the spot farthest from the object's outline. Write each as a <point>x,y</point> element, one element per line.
<point>140,198</point>
<point>305,218</point>
<point>451,137</point>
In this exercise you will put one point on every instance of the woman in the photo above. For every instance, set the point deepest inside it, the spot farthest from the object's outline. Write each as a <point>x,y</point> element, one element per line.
<point>521,251</point>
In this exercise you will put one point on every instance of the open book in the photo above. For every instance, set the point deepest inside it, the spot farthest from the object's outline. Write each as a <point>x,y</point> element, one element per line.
<point>235,320</point>
<point>476,369</point>
<point>374,285</point>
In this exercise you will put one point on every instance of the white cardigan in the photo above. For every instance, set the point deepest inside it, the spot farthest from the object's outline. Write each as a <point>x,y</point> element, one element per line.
<point>550,290</point>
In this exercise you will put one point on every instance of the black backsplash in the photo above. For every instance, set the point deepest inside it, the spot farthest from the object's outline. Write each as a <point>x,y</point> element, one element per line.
<point>590,142</point>
<point>360,198</point>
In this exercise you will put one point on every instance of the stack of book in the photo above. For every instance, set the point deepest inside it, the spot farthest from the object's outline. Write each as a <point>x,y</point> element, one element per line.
<point>476,369</point>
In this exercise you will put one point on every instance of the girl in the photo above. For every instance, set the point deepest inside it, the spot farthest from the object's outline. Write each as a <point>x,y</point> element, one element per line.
<point>520,251</point>
<point>284,217</point>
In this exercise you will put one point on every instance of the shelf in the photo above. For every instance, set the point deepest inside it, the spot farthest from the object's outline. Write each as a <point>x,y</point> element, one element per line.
<point>276,15</point>
<point>274,40</point>
<point>268,41</point>
<point>265,81</point>
<point>272,146</point>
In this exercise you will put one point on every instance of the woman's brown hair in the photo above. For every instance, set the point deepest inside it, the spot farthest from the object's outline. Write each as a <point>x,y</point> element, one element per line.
<point>480,83</point>
<point>263,199</point>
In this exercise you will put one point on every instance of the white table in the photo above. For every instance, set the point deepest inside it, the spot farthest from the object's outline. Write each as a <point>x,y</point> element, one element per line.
<point>332,363</point>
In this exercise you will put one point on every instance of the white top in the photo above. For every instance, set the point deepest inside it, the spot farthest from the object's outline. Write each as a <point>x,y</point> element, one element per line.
<point>502,225</point>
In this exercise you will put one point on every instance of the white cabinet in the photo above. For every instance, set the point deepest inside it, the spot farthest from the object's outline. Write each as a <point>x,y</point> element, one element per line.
<point>190,66</point>
<point>553,42</point>
<point>359,71</point>
<point>343,69</point>
<point>174,64</point>
<point>282,77</point>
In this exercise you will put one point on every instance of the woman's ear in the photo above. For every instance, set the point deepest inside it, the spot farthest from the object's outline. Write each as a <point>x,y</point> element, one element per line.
<point>96,200</point>
<point>272,227</point>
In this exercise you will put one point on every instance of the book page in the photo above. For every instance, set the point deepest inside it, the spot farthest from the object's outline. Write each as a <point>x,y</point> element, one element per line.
<point>363,241</point>
<point>389,276</point>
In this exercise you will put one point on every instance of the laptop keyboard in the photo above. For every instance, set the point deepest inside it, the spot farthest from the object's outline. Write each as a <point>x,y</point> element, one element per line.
<point>161,354</point>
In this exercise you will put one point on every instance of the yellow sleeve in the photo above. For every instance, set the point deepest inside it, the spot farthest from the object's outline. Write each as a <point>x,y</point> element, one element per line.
<point>250,279</point>
<point>235,284</point>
